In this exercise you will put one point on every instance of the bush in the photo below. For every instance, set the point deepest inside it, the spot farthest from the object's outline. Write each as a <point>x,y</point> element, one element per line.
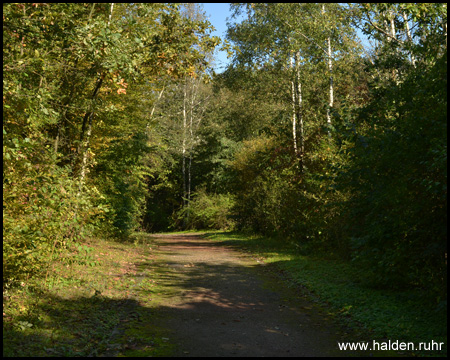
<point>397,178</point>
<point>44,210</point>
<point>207,211</point>
<point>120,178</point>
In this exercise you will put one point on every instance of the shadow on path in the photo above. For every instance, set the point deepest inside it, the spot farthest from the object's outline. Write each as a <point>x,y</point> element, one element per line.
<point>219,302</point>
<point>211,301</point>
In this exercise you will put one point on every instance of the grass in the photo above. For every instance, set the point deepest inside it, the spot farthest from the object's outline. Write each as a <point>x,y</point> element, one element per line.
<point>100,310</point>
<point>376,314</point>
<point>110,309</point>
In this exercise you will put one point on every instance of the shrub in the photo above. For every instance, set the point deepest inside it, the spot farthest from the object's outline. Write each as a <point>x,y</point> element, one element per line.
<point>43,209</point>
<point>207,211</point>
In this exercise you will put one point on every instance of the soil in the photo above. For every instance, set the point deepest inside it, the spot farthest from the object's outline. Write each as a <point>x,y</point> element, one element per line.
<point>221,302</point>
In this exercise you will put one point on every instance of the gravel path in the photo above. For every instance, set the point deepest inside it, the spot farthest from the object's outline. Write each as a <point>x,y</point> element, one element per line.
<point>221,302</point>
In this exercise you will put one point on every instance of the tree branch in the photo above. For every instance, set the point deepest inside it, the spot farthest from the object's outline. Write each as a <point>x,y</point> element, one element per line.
<point>381,30</point>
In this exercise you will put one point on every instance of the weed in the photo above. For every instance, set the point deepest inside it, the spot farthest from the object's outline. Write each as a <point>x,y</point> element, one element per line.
<point>91,297</point>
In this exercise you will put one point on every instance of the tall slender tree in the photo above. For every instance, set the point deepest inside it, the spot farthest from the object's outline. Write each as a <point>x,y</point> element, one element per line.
<point>293,36</point>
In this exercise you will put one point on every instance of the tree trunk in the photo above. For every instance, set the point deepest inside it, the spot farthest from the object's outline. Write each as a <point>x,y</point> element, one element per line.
<point>86,131</point>
<point>330,70</point>
<point>183,150</point>
<point>147,127</point>
<point>299,105</point>
<point>393,36</point>
<point>110,13</point>
<point>193,94</point>
<point>294,112</point>
<point>331,99</point>
<point>408,34</point>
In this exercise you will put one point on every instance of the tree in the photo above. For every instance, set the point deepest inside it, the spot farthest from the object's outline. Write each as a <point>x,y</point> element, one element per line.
<point>68,69</point>
<point>396,147</point>
<point>291,36</point>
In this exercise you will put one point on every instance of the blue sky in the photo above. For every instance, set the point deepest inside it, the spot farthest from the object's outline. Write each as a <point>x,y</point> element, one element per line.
<point>217,14</point>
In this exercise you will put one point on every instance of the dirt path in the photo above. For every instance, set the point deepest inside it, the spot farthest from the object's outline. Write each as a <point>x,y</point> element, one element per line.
<point>220,302</point>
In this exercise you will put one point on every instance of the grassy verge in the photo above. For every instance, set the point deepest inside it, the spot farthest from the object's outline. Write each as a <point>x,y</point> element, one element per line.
<point>99,304</point>
<point>377,314</point>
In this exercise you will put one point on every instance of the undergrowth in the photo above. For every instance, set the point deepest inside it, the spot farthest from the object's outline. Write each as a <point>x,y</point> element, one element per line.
<point>377,314</point>
<point>88,305</point>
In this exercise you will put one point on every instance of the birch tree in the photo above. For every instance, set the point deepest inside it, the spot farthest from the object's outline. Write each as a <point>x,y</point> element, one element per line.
<point>292,36</point>
<point>266,37</point>
<point>193,108</point>
<point>330,69</point>
<point>399,29</point>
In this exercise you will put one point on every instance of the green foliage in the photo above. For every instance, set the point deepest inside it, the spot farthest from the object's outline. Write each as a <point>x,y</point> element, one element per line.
<point>397,178</point>
<point>110,125</point>
<point>75,128</point>
<point>122,181</point>
<point>393,170</point>
<point>266,186</point>
<point>207,211</point>
<point>43,210</point>
<point>163,187</point>
<point>374,190</point>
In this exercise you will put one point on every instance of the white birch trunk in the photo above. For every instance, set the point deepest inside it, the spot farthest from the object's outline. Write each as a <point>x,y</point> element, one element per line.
<point>110,13</point>
<point>392,32</point>
<point>408,34</point>
<point>183,150</point>
<point>296,100</point>
<point>331,100</point>
<point>294,116</point>
<point>299,107</point>
<point>147,127</point>
<point>191,141</point>
<point>330,70</point>
<point>191,136</point>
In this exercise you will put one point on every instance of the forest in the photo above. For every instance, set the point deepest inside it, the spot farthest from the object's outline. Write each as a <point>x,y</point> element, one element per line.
<point>115,122</point>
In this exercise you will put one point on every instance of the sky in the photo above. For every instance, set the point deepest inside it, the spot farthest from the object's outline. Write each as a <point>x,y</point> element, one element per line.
<point>217,14</point>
